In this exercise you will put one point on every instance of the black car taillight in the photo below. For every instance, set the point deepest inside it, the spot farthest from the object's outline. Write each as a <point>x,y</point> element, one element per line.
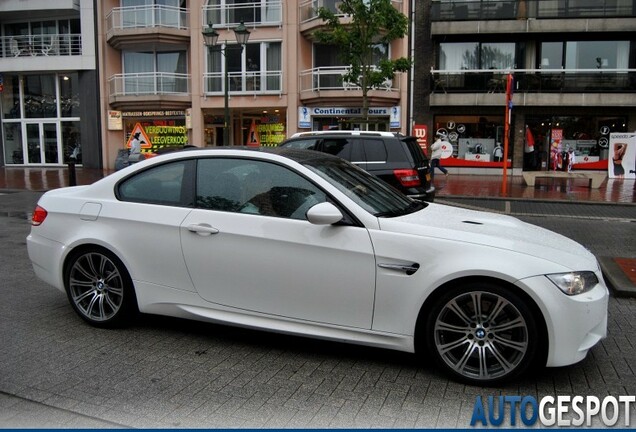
<point>407,177</point>
<point>39,214</point>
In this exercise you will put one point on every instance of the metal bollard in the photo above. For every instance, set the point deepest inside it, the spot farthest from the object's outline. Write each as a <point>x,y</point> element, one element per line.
<point>72,178</point>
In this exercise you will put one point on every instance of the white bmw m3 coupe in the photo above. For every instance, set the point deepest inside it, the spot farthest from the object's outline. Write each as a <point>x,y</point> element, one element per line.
<point>305,243</point>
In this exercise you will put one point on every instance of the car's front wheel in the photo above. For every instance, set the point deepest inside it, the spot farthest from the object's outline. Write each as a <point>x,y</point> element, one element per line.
<point>482,333</point>
<point>99,288</point>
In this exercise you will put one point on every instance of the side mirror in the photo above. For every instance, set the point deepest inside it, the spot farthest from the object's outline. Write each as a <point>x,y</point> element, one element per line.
<point>324,214</point>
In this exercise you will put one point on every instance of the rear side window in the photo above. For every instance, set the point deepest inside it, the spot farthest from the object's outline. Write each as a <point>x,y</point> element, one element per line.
<point>307,144</point>
<point>167,184</point>
<point>340,147</point>
<point>416,152</point>
<point>375,150</point>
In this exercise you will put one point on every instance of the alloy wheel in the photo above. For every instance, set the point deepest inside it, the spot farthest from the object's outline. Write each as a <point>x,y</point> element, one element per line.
<point>96,287</point>
<point>481,336</point>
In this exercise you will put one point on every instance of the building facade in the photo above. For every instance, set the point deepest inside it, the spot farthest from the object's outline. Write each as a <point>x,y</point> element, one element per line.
<point>574,79</point>
<point>48,83</point>
<point>81,77</point>
<point>160,78</point>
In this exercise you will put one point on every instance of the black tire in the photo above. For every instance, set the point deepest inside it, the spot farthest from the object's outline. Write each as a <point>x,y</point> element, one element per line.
<point>482,334</point>
<point>99,288</point>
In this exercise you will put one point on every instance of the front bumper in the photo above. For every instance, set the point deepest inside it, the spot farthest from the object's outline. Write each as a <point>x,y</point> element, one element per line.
<point>574,323</point>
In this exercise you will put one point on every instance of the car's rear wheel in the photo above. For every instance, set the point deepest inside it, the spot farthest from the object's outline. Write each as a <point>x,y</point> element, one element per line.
<point>482,333</point>
<point>99,288</point>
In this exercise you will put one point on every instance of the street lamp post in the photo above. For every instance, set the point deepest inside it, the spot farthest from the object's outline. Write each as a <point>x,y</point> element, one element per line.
<point>211,39</point>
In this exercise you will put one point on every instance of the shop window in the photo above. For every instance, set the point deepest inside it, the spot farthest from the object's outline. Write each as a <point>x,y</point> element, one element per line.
<point>587,135</point>
<point>474,138</point>
<point>69,95</point>
<point>71,141</point>
<point>11,97</point>
<point>40,96</point>
<point>13,143</point>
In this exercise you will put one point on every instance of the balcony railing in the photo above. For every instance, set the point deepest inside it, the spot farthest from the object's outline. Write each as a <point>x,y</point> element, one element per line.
<point>270,82</point>
<point>41,45</point>
<point>535,81</point>
<point>157,83</point>
<point>332,78</point>
<point>134,17</point>
<point>265,13</point>
<point>470,10</point>
<point>309,8</point>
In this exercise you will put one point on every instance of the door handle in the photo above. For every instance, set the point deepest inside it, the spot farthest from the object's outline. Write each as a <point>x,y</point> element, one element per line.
<point>202,229</point>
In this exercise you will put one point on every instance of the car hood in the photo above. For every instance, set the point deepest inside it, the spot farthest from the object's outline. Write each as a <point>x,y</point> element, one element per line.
<point>493,230</point>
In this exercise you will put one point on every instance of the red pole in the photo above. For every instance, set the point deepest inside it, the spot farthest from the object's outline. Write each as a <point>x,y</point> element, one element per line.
<point>509,92</point>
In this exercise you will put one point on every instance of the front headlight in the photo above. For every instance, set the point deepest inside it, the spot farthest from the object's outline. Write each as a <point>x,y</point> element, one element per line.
<point>574,283</point>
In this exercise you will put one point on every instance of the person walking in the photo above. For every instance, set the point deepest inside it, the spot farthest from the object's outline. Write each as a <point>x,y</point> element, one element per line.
<point>135,149</point>
<point>436,155</point>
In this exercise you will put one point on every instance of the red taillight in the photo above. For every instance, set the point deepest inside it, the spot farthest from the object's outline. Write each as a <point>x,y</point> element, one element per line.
<point>39,214</point>
<point>407,177</point>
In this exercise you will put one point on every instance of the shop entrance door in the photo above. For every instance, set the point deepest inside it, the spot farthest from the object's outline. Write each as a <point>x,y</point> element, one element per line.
<point>41,146</point>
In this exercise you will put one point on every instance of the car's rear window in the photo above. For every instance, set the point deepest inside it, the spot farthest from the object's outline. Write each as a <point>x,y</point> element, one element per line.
<point>416,151</point>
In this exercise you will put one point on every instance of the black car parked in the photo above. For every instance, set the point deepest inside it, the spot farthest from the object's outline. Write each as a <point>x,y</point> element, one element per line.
<point>395,158</point>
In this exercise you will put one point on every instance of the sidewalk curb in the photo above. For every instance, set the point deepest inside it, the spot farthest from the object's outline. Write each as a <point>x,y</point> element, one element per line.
<point>534,200</point>
<point>616,279</point>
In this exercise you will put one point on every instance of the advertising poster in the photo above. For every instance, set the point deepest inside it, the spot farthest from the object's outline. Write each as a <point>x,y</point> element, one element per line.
<point>304,119</point>
<point>556,147</point>
<point>270,131</point>
<point>622,155</point>
<point>115,121</point>
<point>159,129</point>
<point>421,133</point>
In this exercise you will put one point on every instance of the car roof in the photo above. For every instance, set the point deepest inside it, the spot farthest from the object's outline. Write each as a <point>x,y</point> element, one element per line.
<point>348,132</point>
<point>297,155</point>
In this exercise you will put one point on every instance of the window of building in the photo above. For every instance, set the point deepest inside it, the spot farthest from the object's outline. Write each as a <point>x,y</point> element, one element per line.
<point>587,135</point>
<point>40,96</point>
<point>330,65</point>
<point>69,95</point>
<point>41,118</point>
<point>585,55</point>
<point>474,138</point>
<point>155,72</point>
<point>332,56</point>
<point>233,12</point>
<point>50,37</point>
<point>257,67</point>
<point>475,55</point>
<point>151,13</point>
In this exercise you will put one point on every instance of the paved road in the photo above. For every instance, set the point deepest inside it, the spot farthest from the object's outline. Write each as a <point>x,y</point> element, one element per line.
<point>55,371</point>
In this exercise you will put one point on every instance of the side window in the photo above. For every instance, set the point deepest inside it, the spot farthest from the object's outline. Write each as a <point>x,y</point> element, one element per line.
<point>307,144</point>
<point>374,150</point>
<point>164,184</point>
<point>340,147</point>
<point>254,187</point>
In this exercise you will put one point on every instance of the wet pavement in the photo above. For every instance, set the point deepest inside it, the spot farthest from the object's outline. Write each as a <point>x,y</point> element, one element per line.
<point>456,185</point>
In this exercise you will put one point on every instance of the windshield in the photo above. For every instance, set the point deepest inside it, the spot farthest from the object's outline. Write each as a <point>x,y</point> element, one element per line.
<point>367,191</point>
